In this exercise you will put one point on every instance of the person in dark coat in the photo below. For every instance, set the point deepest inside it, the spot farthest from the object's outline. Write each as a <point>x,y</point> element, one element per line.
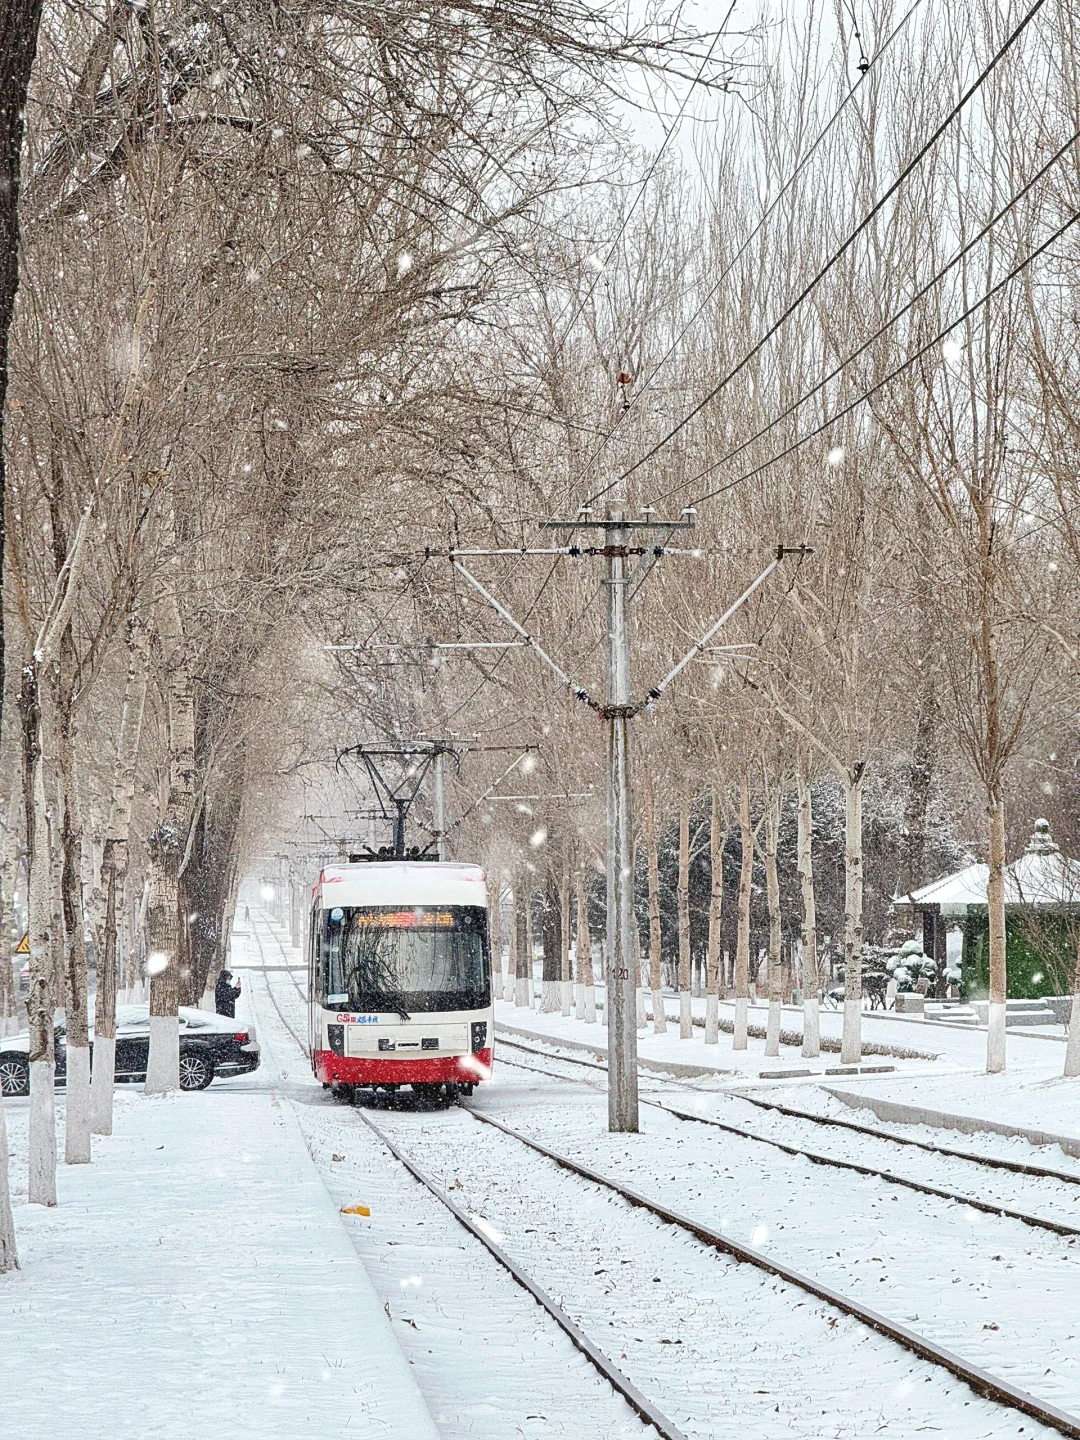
<point>225,993</point>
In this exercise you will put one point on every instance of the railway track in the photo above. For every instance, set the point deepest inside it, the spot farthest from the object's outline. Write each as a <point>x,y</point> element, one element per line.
<point>990,1162</point>
<point>640,1403</point>
<point>980,1380</point>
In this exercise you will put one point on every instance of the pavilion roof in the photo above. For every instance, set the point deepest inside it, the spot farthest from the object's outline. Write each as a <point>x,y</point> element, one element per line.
<point>1042,875</point>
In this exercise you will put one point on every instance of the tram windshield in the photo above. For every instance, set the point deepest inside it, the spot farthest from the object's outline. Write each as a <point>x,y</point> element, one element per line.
<point>405,959</point>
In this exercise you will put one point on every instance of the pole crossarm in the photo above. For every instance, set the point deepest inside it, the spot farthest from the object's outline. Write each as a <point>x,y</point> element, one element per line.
<point>536,799</point>
<point>702,645</point>
<point>579,692</point>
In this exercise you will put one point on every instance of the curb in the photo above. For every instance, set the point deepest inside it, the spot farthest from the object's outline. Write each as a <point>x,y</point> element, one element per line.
<point>897,1111</point>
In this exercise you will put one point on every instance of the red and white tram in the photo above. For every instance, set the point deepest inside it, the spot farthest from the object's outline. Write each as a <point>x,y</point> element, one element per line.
<point>400,977</point>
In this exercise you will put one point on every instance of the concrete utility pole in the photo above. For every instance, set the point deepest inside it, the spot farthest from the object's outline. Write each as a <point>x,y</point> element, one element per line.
<point>621,981</point>
<point>617,710</point>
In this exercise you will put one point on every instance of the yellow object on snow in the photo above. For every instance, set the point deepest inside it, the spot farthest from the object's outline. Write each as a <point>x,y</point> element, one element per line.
<point>355,1210</point>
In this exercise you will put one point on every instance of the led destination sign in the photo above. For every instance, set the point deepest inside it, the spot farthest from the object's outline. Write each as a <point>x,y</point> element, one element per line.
<point>403,919</point>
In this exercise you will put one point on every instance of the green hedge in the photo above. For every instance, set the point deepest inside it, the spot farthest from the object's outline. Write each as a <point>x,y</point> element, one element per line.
<point>1038,944</point>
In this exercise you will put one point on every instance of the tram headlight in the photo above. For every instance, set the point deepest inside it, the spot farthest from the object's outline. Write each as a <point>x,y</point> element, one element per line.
<point>335,1037</point>
<point>479,1035</point>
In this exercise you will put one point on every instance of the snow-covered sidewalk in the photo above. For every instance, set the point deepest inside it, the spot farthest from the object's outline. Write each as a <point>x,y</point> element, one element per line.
<point>196,1280</point>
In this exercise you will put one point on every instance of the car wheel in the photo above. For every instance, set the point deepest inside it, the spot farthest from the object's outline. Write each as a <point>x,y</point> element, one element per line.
<point>196,1071</point>
<point>14,1076</point>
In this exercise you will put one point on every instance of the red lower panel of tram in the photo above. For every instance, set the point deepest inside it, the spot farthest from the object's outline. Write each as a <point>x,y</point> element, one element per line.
<point>458,1069</point>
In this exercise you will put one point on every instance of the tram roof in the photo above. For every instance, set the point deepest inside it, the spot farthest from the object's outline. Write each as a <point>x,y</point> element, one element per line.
<point>401,882</point>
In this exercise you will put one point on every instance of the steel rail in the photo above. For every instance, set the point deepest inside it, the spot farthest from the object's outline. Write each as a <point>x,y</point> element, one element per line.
<point>889,1176</point>
<point>817,1158</point>
<point>989,1386</point>
<point>992,1162</point>
<point>614,1376</point>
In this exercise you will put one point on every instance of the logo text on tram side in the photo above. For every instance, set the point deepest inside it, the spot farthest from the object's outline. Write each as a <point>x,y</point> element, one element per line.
<point>357,1019</point>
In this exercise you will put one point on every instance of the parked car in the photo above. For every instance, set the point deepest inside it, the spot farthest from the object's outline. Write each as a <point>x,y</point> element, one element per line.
<point>210,1045</point>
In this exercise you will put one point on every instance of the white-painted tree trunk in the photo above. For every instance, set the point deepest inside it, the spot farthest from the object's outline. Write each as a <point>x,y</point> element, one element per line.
<point>584,1008</point>
<point>811,977</point>
<point>742,948</point>
<point>42,1133</point>
<point>995,1039</point>
<point>9,1253</point>
<point>163,1066</point>
<point>741,1017</point>
<point>652,866</point>
<point>1072,1049</point>
<point>811,1046</point>
<point>522,962</point>
<point>713,977</point>
<point>712,1018</point>
<point>772,891</point>
<point>77,1106</point>
<point>102,1078</point>
<point>565,982</point>
<point>686,1021</point>
<point>995,904</point>
<point>851,1042</point>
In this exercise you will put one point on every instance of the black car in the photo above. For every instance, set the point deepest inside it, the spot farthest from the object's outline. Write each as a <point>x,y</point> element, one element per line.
<point>209,1045</point>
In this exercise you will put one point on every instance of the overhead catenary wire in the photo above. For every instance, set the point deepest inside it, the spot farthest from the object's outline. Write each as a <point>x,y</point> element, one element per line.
<point>887,325</point>
<point>747,242</point>
<point>808,289</point>
<point>669,134</point>
<point>897,370</point>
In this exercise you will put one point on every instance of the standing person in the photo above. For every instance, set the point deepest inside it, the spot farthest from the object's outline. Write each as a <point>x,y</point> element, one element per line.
<point>225,993</point>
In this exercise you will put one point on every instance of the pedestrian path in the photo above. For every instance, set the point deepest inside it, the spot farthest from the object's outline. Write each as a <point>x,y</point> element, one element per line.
<point>196,1280</point>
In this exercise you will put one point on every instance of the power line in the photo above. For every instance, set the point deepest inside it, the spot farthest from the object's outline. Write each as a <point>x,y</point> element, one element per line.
<point>580,305</point>
<point>766,214</point>
<point>898,369</point>
<point>838,254</point>
<point>887,325</point>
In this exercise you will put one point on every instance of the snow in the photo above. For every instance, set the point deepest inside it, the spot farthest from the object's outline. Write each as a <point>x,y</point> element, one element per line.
<point>200,1277</point>
<point>194,1279</point>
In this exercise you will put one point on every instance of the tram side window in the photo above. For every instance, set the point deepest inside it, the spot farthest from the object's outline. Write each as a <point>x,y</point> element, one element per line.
<point>316,982</point>
<point>329,961</point>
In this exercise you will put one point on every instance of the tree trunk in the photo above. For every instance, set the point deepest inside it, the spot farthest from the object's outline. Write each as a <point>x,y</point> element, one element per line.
<point>1072,1049</point>
<point>114,863</point>
<point>851,1044</point>
<point>550,1001</point>
<point>742,946</point>
<point>522,948</point>
<point>586,984</point>
<point>686,1015</point>
<point>565,984</point>
<point>167,848</point>
<point>995,904</point>
<point>713,979</point>
<point>656,983</point>
<point>41,1004</point>
<point>20,21</point>
<point>811,978</point>
<point>77,1088</point>
<point>772,893</point>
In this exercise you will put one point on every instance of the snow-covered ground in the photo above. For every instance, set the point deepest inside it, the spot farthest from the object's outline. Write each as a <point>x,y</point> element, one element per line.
<point>195,1280</point>
<point>690,1327</point>
<point>198,1277</point>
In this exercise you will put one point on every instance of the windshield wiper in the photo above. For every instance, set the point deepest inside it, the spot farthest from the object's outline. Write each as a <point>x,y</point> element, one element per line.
<point>403,1014</point>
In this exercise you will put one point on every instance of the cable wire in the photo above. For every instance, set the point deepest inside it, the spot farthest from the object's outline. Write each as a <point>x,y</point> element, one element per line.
<point>838,254</point>
<point>762,221</point>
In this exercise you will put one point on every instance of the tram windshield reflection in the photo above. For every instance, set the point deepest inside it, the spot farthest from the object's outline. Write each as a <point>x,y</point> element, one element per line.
<point>383,958</point>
